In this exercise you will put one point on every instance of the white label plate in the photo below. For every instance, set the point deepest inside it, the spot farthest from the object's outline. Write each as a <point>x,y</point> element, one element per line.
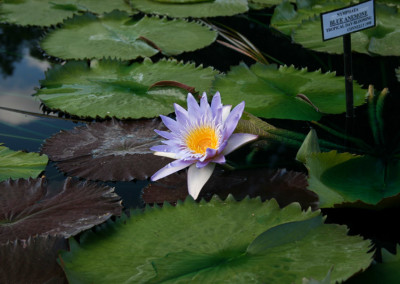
<point>348,20</point>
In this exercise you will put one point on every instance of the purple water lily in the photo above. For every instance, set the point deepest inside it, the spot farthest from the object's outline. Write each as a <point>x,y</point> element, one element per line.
<point>200,137</point>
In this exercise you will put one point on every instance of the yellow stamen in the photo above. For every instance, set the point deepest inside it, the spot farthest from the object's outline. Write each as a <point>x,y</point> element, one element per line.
<point>201,138</point>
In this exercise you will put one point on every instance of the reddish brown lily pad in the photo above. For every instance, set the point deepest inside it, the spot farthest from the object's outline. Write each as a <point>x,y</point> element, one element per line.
<point>109,151</point>
<point>32,260</point>
<point>284,186</point>
<point>29,207</point>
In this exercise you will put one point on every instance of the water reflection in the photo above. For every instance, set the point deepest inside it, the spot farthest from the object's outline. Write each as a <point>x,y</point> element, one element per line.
<point>16,90</point>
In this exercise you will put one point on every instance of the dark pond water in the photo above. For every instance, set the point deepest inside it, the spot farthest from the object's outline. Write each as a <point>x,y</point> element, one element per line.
<point>23,66</point>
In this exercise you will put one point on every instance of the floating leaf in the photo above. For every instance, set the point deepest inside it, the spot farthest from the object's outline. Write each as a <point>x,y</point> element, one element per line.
<point>286,18</point>
<point>116,35</point>
<point>378,40</point>
<point>32,260</point>
<point>339,178</point>
<point>47,13</point>
<point>387,272</point>
<point>123,146</point>
<point>268,3</point>
<point>272,93</point>
<point>284,186</point>
<point>29,207</point>
<point>195,10</point>
<point>214,242</point>
<point>182,1</point>
<point>96,6</point>
<point>114,89</point>
<point>18,164</point>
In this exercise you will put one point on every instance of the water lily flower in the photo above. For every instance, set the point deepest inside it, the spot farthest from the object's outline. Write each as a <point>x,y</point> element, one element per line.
<point>199,138</point>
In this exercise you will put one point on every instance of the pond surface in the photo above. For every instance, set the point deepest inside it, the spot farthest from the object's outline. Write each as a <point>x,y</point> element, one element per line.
<point>23,125</point>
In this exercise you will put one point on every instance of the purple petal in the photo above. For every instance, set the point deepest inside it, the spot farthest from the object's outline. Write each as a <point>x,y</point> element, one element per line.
<point>165,134</point>
<point>220,159</point>
<point>216,103</point>
<point>233,119</point>
<point>236,140</point>
<point>210,153</point>
<point>181,114</point>
<point>193,107</point>
<point>170,169</point>
<point>161,148</point>
<point>205,108</point>
<point>170,123</point>
<point>197,178</point>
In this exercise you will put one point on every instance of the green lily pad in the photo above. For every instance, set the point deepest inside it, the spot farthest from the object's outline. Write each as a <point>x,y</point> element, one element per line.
<point>18,164</point>
<point>111,88</point>
<point>116,35</point>
<point>47,13</point>
<point>272,92</point>
<point>286,18</point>
<point>380,40</point>
<point>196,10</point>
<point>182,1</point>
<point>387,271</point>
<point>339,178</point>
<point>215,242</point>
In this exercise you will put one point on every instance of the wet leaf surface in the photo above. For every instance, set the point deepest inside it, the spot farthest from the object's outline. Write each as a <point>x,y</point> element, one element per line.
<point>108,151</point>
<point>29,207</point>
<point>285,186</point>
<point>32,261</point>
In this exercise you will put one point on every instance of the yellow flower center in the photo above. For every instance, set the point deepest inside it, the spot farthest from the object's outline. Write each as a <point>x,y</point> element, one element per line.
<point>201,138</point>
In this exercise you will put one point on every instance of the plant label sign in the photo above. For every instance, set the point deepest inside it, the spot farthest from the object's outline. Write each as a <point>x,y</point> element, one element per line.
<point>348,20</point>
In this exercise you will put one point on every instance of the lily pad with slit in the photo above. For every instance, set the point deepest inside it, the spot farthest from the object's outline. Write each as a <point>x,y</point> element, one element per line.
<point>31,207</point>
<point>285,92</point>
<point>118,89</point>
<point>48,13</point>
<point>36,258</point>
<point>217,241</point>
<point>284,186</point>
<point>116,35</point>
<point>203,9</point>
<point>346,178</point>
<point>19,164</point>
<point>111,150</point>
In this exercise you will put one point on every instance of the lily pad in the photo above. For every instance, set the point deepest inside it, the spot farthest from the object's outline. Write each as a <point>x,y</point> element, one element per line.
<point>182,1</point>
<point>47,13</point>
<point>339,178</point>
<point>284,186</point>
<point>387,271</point>
<point>124,147</point>
<point>32,261</point>
<point>116,35</point>
<point>216,241</point>
<point>195,10</point>
<point>379,40</point>
<point>122,90</point>
<point>29,207</point>
<point>18,164</point>
<point>286,18</point>
<point>285,92</point>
